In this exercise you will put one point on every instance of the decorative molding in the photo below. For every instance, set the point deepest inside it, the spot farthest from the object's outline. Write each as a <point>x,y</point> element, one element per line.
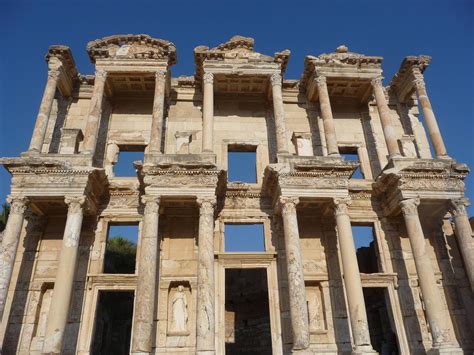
<point>341,206</point>
<point>288,204</point>
<point>160,76</point>
<point>276,79</point>
<point>75,203</point>
<point>152,203</point>
<point>208,78</point>
<point>18,204</point>
<point>206,205</point>
<point>458,207</point>
<point>410,206</point>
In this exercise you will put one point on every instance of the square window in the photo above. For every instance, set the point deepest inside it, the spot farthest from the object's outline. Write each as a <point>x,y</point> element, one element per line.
<point>121,249</point>
<point>242,164</point>
<point>244,238</point>
<point>351,154</point>
<point>364,240</point>
<point>124,166</point>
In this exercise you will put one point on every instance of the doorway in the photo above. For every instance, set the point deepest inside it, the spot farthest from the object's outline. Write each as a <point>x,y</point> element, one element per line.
<point>247,316</point>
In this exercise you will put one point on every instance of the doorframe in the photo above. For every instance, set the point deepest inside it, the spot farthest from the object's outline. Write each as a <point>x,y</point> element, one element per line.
<point>253,260</point>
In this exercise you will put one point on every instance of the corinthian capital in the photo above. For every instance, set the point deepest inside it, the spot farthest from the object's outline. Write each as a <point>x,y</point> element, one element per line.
<point>341,206</point>
<point>75,203</point>
<point>54,74</point>
<point>160,76</point>
<point>206,205</point>
<point>275,79</point>
<point>100,74</point>
<point>377,82</point>
<point>208,78</point>
<point>320,81</point>
<point>18,204</point>
<point>152,203</point>
<point>458,207</point>
<point>419,82</point>
<point>288,204</point>
<point>410,206</point>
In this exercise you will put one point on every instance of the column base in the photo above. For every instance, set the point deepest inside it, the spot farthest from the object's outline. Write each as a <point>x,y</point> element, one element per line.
<point>446,349</point>
<point>206,352</point>
<point>365,349</point>
<point>444,157</point>
<point>303,352</point>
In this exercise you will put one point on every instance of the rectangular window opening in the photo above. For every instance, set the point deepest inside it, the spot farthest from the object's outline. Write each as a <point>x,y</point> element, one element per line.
<point>365,244</point>
<point>121,248</point>
<point>242,163</point>
<point>244,238</point>
<point>127,155</point>
<point>351,154</point>
<point>113,323</point>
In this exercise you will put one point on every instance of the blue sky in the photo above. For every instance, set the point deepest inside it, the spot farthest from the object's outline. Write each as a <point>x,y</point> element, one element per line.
<point>392,29</point>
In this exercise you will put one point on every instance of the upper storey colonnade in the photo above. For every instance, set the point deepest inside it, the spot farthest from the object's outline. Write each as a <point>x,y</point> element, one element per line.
<point>229,68</point>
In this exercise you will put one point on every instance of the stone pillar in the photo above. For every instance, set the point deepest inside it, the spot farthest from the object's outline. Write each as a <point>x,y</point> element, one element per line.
<point>46,105</point>
<point>158,113</point>
<point>11,237</point>
<point>326,113</point>
<point>352,282</point>
<point>279,113</point>
<point>426,277</point>
<point>208,113</point>
<point>95,111</point>
<point>61,300</point>
<point>464,236</point>
<point>296,285</point>
<point>205,323</point>
<point>145,297</point>
<point>385,118</point>
<point>429,117</point>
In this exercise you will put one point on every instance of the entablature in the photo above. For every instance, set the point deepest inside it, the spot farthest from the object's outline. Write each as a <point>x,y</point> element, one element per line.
<point>403,81</point>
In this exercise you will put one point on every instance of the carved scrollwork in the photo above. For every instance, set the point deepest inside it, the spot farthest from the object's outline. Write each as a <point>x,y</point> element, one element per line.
<point>320,81</point>
<point>160,76</point>
<point>152,203</point>
<point>208,78</point>
<point>75,203</point>
<point>18,204</point>
<point>101,74</point>
<point>288,204</point>
<point>54,74</point>
<point>410,206</point>
<point>206,205</point>
<point>458,207</point>
<point>377,82</point>
<point>276,79</point>
<point>341,206</point>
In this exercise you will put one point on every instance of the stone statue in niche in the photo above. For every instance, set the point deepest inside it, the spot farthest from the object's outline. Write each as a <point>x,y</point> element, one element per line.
<point>316,318</point>
<point>179,309</point>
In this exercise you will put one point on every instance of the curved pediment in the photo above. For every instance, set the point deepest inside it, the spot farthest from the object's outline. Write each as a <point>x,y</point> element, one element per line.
<point>132,47</point>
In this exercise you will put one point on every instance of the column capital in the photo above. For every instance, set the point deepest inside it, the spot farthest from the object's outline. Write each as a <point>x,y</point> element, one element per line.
<point>101,74</point>
<point>18,203</point>
<point>75,203</point>
<point>341,205</point>
<point>152,203</point>
<point>206,204</point>
<point>410,206</point>
<point>377,82</point>
<point>54,73</point>
<point>276,79</point>
<point>320,80</point>
<point>160,76</point>
<point>208,78</point>
<point>458,206</point>
<point>287,204</point>
<point>419,82</point>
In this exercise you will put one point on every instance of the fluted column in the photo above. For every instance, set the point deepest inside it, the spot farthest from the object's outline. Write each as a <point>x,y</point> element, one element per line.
<point>11,237</point>
<point>352,282</point>
<point>208,113</point>
<point>385,118</point>
<point>205,323</point>
<point>326,113</point>
<point>464,236</point>
<point>95,111</point>
<point>426,277</point>
<point>279,113</point>
<point>145,297</point>
<point>61,300</point>
<point>429,117</point>
<point>46,105</point>
<point>296,285</point>
<point>158,112</point>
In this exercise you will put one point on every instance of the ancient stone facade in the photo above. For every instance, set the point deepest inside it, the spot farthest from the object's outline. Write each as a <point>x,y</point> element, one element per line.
<point>320,292</point>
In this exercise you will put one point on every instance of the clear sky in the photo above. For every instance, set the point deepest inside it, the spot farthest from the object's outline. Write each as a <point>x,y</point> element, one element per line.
<point>392,29</point>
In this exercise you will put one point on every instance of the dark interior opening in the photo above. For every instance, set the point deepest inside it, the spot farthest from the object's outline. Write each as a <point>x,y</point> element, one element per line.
<point>121,248</point>
<point>113,323</point>
<point>364,240</point>
<point>247,315</point>
<point>383,335</point>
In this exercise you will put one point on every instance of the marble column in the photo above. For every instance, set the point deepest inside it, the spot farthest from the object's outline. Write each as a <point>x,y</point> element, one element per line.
<point>95,111</point>
<point>156,134</point>
<point>205,323</point>
<point>296,285</point>
<point>145,297</point>
<point>11,237</point>
<point>46,105</point>
<point>326,113</point>
<point>426,278</point>
<point>279,113</point>
<point>463,232</point>
<point>208,113</point>
<point>385,118</point>
<point>352,281</point>
<point>63,285</point>
<point>429,117</point>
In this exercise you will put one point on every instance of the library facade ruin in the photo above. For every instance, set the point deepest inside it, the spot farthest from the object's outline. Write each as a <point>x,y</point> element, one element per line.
<point>262,216</point>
